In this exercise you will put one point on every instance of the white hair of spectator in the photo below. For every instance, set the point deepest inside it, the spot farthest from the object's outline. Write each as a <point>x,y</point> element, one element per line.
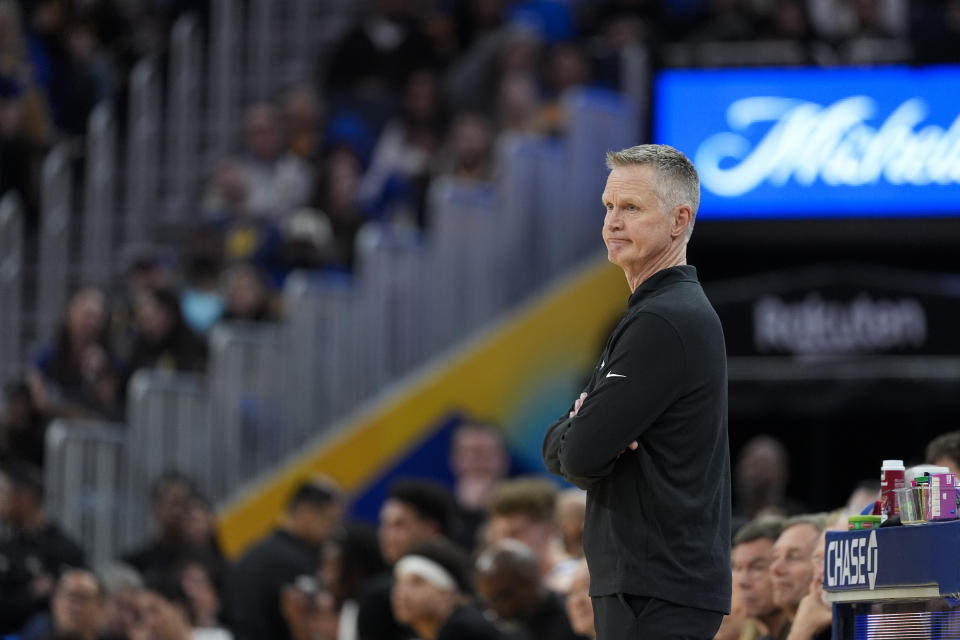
<point>427,569</point>
<point>507,547</point>
<point>677,182</point>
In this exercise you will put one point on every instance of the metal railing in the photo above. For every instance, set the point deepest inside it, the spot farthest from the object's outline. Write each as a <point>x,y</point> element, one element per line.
<point>247,378</point>
<point>84,467</point>
<point>56,204</point>
<point>99,198</point>
<point>11,285</point>
<point>170,428</point>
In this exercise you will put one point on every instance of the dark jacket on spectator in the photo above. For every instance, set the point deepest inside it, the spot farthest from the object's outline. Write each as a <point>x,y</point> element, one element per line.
<point>375,618</point>
<point>257,580</point>
<point>468,623</point>
<point>25,557</point>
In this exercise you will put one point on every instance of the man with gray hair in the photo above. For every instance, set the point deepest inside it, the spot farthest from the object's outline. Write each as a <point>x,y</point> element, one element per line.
<point>647,438</point>
<point>750,560</point>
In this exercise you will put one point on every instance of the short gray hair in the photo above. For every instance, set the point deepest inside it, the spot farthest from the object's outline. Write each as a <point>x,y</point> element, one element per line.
<point>677,180</point>
<point>760,528</point>
<point>815,520</point>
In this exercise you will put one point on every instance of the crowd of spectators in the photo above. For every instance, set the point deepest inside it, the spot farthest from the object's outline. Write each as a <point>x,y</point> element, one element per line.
<point>490,557</point>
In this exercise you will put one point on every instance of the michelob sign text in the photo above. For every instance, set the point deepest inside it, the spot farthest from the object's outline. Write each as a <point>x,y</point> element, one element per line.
<point>778,143</point>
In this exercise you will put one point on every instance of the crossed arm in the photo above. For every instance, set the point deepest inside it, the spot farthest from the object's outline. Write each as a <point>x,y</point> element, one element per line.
<point>640,381</point>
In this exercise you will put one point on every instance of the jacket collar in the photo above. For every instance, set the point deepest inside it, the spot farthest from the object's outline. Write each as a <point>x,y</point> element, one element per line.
<point>663,278</point>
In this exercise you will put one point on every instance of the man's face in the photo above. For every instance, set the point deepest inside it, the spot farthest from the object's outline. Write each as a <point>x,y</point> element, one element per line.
<point>172,507</point>
<point>320,521</point>
<point>792,569</point>
<point>477,454</point>
<point>162,620</point>
<point>512,596</point>
<point>635,228</point>
<point>414,599</point>
<point>751,571</point>
<point>401,528</point>
<point>77,604</point>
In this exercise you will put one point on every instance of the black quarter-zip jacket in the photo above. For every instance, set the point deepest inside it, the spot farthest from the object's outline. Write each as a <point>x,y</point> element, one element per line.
<point>658,518</point>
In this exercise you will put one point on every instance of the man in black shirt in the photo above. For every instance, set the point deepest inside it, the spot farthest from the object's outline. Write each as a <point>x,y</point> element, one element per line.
<point>257,581</point>
<point>33,553</point>
<point>508,583</point>
<point>648,436</point>
<point>170,498</point>
<point>417,511</point>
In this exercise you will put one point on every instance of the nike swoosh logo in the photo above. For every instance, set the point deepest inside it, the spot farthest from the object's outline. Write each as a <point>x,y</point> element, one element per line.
<point>611,374</point>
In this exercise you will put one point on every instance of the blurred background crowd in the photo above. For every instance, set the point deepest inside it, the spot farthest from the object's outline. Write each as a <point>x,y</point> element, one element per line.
<point>406,92</point>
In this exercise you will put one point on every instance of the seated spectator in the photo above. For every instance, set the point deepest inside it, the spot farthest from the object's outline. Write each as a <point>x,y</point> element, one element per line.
<point>751,559</point>
<point>519,103</point>
<point>77,608</point>
<point>340,205</point>
<point>34,552</point>
<point>468,151</point>
<point>201,301</point>
<point>164,610</point>
<point>163,339</point>
<point>199,581</point>
<point>200,531</point>
<point>760,479</point>
<point>121,585</point>
<point>22,429</point>
<point>814,619</point>
<point>416,511</point>
<point>145,268</point>
<point>372,61</point>
<point>479,461</point>
<point>432,592</point>
<point>247,295</point>
<point>352,558</point>
<point>303,116</point>
<point>76,376</point>
<point>571,513</point>
<point>279,182</point>
<point>508,583</point>
<point>791,570</point>
<point>579,604</point>
<point>243,236</point>
<point>257,580</point>
<point>171,497</point>
<point>944,451</point>
<point>524,509</point>
<point>394,188</point>
<point>308,242</point>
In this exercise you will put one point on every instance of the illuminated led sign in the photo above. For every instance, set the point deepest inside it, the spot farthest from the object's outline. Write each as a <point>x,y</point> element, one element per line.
<point>777,143</point>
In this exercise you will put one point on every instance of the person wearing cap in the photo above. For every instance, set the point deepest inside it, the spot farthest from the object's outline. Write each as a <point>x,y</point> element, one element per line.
<point>432,592</point>
<point>647,438</point>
